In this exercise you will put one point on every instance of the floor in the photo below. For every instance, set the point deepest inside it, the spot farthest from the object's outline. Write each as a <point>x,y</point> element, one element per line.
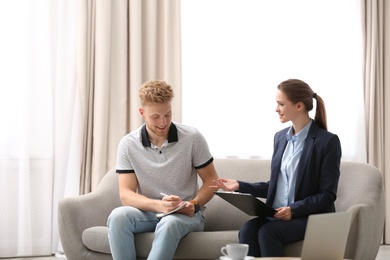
<point>383,254</point>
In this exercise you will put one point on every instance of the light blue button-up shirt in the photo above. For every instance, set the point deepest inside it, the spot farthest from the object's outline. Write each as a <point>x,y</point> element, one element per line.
<point>285,190</point>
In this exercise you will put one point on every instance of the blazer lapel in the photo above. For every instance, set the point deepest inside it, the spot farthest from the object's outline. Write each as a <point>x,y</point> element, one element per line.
<point>303,161</point>
<point>280,145</point>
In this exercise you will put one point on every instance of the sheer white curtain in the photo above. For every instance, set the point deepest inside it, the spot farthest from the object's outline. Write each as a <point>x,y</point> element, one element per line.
<point>236,52</point>
<point>40,123</point>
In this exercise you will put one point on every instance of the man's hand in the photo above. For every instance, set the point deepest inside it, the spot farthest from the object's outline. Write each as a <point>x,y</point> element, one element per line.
<point>169,203</point>
<point>188,210</point>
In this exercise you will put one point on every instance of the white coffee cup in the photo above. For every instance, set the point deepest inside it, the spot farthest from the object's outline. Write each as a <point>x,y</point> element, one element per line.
<point>235,251</point>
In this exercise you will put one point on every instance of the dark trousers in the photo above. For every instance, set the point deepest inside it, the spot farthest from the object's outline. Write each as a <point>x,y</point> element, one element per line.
<point>266,237</point>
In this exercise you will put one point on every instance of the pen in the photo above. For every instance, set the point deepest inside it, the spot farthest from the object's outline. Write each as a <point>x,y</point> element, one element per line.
<point>163,194</point>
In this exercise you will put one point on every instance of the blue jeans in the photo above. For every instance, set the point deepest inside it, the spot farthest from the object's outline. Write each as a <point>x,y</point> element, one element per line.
<point>126,221</point>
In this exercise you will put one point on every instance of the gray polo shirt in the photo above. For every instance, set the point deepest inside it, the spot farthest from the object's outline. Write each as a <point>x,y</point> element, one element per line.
<point>170,169</point>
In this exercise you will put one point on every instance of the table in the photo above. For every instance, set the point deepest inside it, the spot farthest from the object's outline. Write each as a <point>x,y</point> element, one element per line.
<point>278,258</point>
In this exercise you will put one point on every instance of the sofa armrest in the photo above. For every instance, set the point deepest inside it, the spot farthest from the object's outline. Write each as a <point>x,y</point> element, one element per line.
<point>366,231</point>
<point>77,213</point>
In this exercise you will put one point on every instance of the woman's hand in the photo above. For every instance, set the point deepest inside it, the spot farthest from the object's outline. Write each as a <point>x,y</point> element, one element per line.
<point>283,213</point>
<point>225,184</point>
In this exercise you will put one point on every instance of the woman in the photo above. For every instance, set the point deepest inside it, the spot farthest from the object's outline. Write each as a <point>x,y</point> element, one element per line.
<point>305,171</point>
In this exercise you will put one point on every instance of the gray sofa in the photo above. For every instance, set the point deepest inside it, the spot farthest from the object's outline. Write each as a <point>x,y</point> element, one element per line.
<point>83,231</point>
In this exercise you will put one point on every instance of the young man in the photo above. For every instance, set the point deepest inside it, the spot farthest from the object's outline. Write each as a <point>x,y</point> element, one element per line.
<point>158,165</point>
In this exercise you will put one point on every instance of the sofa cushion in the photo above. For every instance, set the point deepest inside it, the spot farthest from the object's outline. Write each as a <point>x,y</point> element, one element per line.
<point>96,239</point>
<point>201,244</point>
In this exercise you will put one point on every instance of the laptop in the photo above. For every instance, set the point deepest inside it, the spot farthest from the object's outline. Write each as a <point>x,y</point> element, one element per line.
<point>326,236</point>
<point>248,203</point>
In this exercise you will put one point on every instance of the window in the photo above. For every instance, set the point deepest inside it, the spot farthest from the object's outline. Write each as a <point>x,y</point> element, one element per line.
<point>38,135</point>
<point>236,52</point>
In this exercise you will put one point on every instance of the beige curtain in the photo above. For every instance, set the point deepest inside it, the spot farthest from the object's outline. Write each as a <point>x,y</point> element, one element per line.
<point>386,141</point>
<point>374,89</point>
<point>120,45</point>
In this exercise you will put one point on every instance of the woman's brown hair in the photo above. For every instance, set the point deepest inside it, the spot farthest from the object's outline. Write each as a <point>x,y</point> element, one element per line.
<point>298,91</point>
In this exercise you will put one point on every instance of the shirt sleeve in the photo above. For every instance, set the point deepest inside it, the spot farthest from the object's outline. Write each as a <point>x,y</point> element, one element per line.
<point>201,152</point>
<point>123,163</point>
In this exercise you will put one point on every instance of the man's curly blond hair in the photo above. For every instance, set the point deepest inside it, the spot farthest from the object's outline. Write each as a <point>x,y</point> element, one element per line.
<point>155,91</point>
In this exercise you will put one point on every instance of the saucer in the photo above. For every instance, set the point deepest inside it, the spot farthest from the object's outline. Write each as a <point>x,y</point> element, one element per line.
<point>228,258</point>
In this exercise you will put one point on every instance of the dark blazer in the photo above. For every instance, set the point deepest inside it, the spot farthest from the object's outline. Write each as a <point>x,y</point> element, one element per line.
<point>318,173</point>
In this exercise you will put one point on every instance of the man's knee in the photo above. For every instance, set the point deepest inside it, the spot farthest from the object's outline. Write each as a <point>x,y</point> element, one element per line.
<point>120,216</point>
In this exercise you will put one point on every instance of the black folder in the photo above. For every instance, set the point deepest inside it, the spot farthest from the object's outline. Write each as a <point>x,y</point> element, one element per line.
<point>248,203</point>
